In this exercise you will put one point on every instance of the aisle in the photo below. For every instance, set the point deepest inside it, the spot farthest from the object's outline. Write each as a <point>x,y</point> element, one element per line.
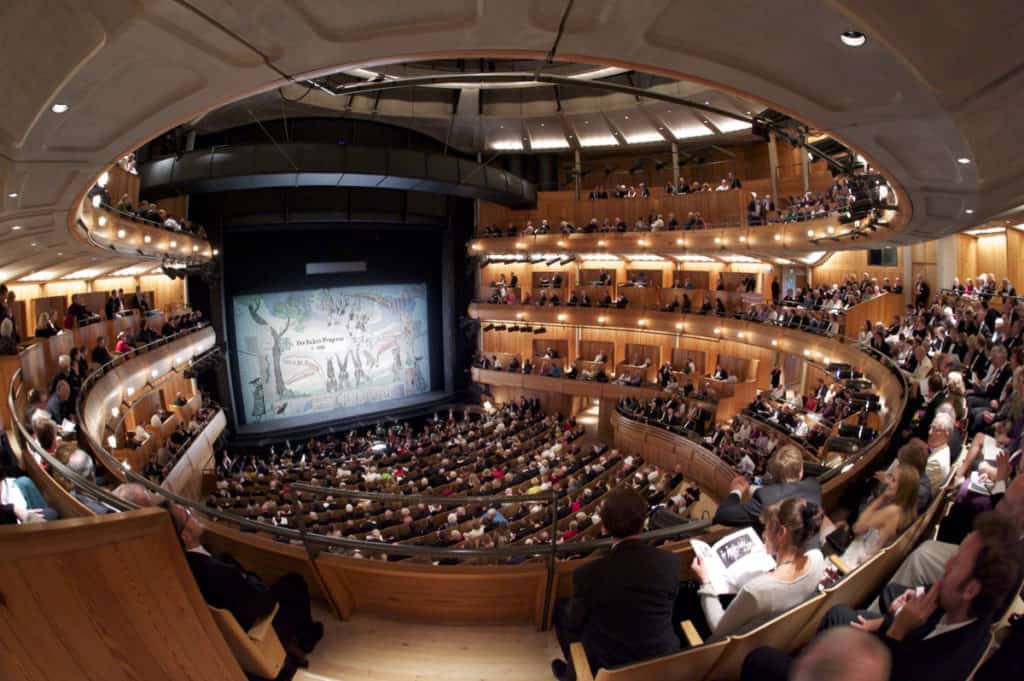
<point>384,649</point>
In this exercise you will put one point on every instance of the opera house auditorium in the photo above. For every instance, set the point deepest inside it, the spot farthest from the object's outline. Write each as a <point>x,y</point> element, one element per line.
<point>478,341</point>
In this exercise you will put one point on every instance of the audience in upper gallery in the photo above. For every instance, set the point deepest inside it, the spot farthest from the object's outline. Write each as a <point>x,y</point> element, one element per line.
<point>149,212</point>
<point>622,604</point>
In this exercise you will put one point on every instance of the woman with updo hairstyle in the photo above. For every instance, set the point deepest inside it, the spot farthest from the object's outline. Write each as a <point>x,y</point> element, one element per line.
<point>791,529</point>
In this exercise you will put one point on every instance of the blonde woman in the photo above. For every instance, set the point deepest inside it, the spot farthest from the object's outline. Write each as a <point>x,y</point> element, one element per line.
<point>45,328</point>
<point>889,514</point>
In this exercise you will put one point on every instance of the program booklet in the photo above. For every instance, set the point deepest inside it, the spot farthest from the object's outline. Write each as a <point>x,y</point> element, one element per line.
<point>734,560</point>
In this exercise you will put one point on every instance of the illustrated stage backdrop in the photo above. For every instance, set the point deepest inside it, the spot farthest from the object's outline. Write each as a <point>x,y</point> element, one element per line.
<point>346,349</point>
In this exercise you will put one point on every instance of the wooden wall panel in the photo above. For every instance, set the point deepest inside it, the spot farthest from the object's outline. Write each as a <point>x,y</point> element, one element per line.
<point>1014,257</point>
<point>842,264</point>
<point>966,257</point>
<point>992,255</point>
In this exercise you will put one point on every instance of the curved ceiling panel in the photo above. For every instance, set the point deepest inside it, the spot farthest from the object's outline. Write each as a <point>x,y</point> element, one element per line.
<point>331,165</point>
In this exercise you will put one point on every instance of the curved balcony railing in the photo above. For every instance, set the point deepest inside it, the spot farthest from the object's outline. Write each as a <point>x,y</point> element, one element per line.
<point>109,229</point>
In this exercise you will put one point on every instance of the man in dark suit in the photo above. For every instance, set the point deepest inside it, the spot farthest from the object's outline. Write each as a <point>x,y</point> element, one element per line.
<point>942,633</point>
<point>621,607</point>
<point>225,584</point>
<point>787,470</point>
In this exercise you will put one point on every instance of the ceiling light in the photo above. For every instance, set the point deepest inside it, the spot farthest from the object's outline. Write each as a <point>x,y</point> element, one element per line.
<point>778,237</point>
<point>121,233</point>
<point>775,343</point>
<point>853,38</point>
<point>831,230</point>
<point>15,228</point>
<point>12,195</point>
<point>969,211</point>
<point>216,252</point>
<point>174,244</point>
<point>59,108</point>
<point>147,238</point>
<point>810,233</point>
<point>627,117</point>
<point>103,221</point>
<point>96,201</point>
<point>679,325</point>
<point>963,160</point>
<point>104,179</point>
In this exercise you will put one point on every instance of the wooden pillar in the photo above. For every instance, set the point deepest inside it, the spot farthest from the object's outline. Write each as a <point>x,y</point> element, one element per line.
<point>805,169</point>
<point>675,166</point>
<point>773,165</point>
<point>578,172</point>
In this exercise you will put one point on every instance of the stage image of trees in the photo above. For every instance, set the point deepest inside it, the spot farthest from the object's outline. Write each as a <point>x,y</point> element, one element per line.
<point>295,308</point>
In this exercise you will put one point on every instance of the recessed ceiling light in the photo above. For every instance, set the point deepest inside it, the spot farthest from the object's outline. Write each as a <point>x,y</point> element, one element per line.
<point>707,103</point>
<point>853,38</point>
<point>963,160</point>
<point>59,108</point>
<point>12,195</point>
<point>502,127</point>
<point>34,244</point>
<point>59,253</point>
<point>542,125</point>
<point>627,118</point>
<point>15,228</point>
<point>969,211</point>
<point>750,113</point>
<point>586,122</point>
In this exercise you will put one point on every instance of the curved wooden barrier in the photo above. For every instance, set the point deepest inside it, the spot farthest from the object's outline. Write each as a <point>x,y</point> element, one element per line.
<point>674,452</point>
<point>107,597</point>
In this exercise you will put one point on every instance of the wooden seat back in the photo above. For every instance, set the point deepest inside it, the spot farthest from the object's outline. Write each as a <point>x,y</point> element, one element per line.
<point>258,651</point>
<point>692,664</point>
<point>108,597</point>
<point>788,631</point>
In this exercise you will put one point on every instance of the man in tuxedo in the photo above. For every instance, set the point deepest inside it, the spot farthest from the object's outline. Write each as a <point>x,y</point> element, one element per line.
<point>787,471</point>
<point>621,608</point>
<point>942,633</point>
<point>225,584</point>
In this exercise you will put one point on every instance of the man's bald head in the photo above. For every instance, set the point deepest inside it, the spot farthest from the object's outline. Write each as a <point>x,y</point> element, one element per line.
<point>843,654</point>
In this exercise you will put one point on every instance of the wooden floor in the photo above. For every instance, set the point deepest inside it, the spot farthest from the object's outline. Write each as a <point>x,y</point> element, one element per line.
<point>383,649</point>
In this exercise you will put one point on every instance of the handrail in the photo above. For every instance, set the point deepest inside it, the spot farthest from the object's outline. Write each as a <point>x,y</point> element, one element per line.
<point>980,294</point>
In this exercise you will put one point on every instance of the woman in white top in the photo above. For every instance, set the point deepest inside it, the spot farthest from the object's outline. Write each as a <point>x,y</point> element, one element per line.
<point>864,337</point>
<point>790,528</point>
<point>886,516</point>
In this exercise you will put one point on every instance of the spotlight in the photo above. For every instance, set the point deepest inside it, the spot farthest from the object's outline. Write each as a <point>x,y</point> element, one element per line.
<point>539,330</point>
<point>551,262</point>
<point>526,329</point>
<point>853,38</point>
<point>566,261</point>
<point>489,327</point>
<point>500,327</point>
<point>514,328</point>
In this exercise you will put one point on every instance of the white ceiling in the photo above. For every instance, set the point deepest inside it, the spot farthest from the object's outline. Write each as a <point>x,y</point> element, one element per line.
<point>930,86</point>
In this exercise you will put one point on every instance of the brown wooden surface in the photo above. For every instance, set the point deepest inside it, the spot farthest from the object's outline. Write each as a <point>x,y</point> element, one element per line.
<point>107,598</point>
